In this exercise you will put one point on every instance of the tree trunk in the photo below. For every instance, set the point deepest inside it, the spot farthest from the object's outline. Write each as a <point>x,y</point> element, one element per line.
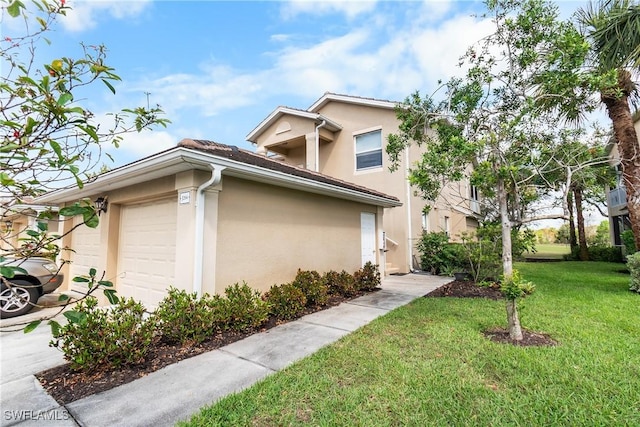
<point>515,331</point>
<point>573,240</point>
<point>582,236</point>
<point>628,146</point>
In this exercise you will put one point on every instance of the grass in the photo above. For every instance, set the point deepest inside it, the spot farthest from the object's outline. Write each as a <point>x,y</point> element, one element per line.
<point>428,364</point>
<point>549,251</point>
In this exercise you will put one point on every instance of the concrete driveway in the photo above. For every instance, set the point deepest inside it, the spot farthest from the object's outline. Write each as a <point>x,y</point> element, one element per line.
<point>178,391</point>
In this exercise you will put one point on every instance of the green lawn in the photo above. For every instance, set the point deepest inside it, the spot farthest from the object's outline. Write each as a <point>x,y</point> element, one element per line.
<point>549,250</point>
<point>427,364</point>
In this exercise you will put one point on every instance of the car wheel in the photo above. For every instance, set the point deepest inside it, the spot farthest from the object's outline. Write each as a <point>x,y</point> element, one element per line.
<point>17,300</point>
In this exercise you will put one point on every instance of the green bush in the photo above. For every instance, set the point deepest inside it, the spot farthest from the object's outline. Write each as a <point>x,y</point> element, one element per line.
<point>483,257</point>
<point>515,287</point>
<point>629,241</point>
<point>105,338</point>
<point>242,309</point>
<point>633,263</point>
<point>431,248</point>
<point>185,318</point>
<point>342,283</point>
<point>312,286</point>
<point>368,277</point>
<point>605,253</point>
<point>286,301</point>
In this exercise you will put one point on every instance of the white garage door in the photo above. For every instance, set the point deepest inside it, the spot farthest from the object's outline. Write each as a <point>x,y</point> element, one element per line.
<point>147,250</point>
<point>85,242</point>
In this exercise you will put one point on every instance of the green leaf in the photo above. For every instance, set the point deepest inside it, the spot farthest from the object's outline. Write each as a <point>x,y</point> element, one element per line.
<point>111,88</point>
<point>65,98</point>
<point>90,130</point>
<point>71,210</point>
<point>6,180</point>
<point>111,296</point>
<point>91,220</point>
<point>31,326</point>
<point>14,8</point>
<point>80,279</point>
<point>92,272</point>
<point>33,233</point>
<point>105,283</point>
<point>75,316</point>
<point>43,226</point>
<point>63,297</point>
<point>56,148</point>
<point>55,328</point>
<point>42,22</point>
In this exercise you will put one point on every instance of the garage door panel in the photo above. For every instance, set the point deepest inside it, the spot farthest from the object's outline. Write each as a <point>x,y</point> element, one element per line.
<point>146,257</point>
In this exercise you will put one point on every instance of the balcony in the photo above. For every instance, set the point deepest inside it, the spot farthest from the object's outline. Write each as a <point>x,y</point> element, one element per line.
<point>617,198</point>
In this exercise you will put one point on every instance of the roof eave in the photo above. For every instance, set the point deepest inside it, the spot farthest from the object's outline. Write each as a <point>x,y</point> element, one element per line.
<point>182,159</point>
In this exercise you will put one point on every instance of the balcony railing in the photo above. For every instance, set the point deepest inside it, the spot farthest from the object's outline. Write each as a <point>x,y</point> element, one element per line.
<point>617,197</point>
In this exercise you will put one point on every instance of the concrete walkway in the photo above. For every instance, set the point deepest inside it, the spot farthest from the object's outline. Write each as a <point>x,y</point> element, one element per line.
<point>178,391</point>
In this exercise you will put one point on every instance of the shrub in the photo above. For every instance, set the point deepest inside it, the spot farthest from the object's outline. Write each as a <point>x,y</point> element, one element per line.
<point>483,257</point>
<point>312,286</point>
<point>342,283</point>
<point>368,277</point>
<point>286,301</point>
<point>633,263</point>
<point>183,317</point>
<point>431,247</point>
<point>605,253</point>
<point>242,309</point>
<point>515,287</point>
<point>105,338</point>
<point>629,241</point>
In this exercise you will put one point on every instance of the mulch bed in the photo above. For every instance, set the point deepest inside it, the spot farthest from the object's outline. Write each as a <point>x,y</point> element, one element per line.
<point>469,289</point>
<point>465,289</point>
<point>66,385</point>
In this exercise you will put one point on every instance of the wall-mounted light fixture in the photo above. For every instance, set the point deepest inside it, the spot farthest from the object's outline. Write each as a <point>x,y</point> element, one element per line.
<point>8,226</point>
<point>101,204</point>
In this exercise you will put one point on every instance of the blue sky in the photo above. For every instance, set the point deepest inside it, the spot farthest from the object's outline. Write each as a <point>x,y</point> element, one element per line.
<point>219,68</point>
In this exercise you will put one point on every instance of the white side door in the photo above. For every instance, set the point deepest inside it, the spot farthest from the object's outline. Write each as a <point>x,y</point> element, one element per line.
<point>368,237</point>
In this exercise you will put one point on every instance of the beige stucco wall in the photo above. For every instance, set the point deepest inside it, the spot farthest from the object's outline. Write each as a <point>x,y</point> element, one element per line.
<point>266,233</point>
<point>402,225</point>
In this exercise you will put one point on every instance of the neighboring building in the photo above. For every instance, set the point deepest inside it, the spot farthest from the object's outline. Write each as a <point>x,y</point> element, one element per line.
<point>345,137</point>
<point>617,197</point>
<point>17,218</point>
<point>202,216</point>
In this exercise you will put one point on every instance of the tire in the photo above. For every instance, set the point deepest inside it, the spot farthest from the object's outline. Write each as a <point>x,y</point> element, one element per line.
<point>19,299</point>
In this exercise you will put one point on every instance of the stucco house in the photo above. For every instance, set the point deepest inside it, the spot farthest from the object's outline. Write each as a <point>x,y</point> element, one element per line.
<point>202,216</point>
<point>345,137</point>
<point>17,218</point>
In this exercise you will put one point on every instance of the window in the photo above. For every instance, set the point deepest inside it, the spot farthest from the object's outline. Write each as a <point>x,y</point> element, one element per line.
<point>474,202</point>
<point>425,221</point>
<point>369,150</point>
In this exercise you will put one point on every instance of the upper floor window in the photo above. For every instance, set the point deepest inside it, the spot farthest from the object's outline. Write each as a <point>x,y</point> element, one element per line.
<point>369,150</point>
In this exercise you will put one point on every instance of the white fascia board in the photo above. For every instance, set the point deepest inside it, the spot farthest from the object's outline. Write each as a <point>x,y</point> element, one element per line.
<point>352,100</point>
<point>281,111</point>
<point>183,159</point>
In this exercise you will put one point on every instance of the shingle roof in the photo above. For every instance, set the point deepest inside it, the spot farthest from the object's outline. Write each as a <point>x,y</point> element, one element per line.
<point>247,157</point>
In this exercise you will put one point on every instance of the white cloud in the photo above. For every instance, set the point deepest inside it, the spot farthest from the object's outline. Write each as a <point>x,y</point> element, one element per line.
<point>84,13</point>
<point>349,8</point>
<point>138,145</point>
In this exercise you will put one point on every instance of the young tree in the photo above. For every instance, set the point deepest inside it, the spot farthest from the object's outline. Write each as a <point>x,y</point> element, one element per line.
<point>489,119</point>
<point>49,139</point>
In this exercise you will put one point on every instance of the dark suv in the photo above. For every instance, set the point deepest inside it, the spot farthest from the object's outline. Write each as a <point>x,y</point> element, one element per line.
<point>20,297</point>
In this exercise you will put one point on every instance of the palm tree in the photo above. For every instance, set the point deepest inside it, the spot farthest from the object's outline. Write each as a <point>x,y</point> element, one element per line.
<point>613,29</point>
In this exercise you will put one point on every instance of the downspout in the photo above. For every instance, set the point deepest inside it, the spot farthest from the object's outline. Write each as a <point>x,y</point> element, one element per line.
<point>409,228</point>
<point>198,253</point>
<point>317,162</point>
